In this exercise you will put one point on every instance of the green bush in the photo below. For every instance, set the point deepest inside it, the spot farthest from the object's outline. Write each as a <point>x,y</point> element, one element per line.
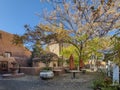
<point>111,88</point>
<point>103,82</point>
<point>97,83</point>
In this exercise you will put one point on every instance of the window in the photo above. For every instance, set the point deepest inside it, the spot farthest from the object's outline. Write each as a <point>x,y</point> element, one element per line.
<point>3,65</point>
<point>8,54</point>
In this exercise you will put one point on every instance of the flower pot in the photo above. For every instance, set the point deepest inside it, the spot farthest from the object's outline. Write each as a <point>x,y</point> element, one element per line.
<point>46,74</point>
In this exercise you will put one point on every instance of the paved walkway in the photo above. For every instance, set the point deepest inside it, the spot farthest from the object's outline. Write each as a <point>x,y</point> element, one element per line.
<point>63,82</point>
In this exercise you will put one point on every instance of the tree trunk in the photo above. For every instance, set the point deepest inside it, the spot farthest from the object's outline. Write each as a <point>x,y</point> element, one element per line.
<point>80,55</point>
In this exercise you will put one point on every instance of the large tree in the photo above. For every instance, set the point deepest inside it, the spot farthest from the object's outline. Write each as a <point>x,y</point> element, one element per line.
<point>82,20</point>
<point>76,21</point>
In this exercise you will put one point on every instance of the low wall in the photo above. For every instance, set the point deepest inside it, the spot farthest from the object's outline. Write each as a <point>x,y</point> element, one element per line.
<point>30,70</point>
<point>60,68</point>
<point>23,62</point>
<point>36,70</point>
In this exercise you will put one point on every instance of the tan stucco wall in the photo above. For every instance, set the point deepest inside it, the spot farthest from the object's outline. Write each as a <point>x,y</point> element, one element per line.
<point>55,48</point>
<point>54,62</point>
<point>41,65</point>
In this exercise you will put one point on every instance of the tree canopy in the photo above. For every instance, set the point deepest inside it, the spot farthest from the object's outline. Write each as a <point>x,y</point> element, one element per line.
<point>75,22</point>
<point>82,20</point>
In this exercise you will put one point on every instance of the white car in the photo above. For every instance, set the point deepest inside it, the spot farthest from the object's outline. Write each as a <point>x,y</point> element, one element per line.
<point>45,74</point>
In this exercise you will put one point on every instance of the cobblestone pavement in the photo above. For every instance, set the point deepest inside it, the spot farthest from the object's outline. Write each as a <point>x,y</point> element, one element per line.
<point>62,82</point>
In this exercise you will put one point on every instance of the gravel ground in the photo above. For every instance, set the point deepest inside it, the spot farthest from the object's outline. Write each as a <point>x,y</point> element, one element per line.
<point>62,82</point>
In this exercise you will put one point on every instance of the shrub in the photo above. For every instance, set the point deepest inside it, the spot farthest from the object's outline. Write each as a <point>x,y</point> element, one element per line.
<point>47,68</point>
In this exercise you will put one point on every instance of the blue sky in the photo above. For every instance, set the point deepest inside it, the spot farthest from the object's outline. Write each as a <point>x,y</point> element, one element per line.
<point>14,14</point>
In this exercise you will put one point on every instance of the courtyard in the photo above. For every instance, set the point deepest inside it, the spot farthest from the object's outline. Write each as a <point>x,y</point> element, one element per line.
<point>62,82</point>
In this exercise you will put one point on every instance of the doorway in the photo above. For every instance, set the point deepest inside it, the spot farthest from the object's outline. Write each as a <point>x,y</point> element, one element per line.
<point>3,66</point>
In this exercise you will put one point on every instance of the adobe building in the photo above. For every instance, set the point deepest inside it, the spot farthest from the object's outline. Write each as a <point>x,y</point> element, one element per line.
<point>53,51</point>
<point>56,48</point>
<point>48,56</point>
<point>9,50</point>
<point>6,64</point>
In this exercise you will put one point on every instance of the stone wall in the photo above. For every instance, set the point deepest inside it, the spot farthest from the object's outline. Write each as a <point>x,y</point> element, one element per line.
<point>30,70</point>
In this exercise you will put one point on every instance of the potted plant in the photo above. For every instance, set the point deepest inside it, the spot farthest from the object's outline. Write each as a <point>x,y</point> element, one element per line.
<point>46,58</point>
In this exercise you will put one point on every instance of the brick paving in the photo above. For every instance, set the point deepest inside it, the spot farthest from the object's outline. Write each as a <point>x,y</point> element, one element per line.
<point>62,82</point>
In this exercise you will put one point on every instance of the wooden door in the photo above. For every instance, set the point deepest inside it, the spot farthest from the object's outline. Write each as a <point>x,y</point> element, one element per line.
<point>3,66</point>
